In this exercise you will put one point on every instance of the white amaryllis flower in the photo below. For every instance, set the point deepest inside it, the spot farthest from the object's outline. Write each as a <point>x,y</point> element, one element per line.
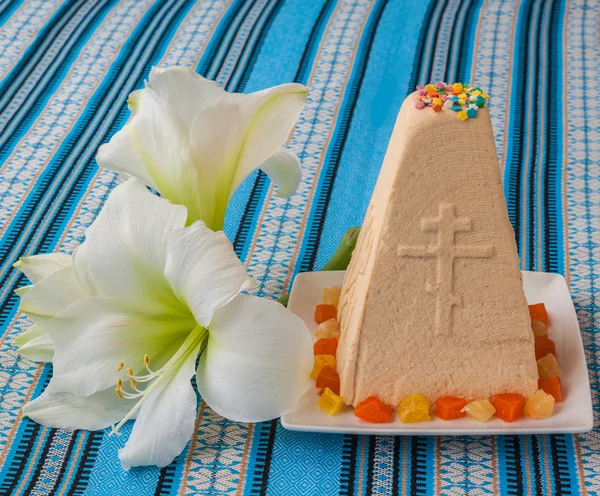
<point>128,315</point>
<point>195,143</point>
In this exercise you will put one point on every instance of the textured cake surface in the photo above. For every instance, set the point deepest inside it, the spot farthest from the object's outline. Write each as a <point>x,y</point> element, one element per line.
<point>433,301</point>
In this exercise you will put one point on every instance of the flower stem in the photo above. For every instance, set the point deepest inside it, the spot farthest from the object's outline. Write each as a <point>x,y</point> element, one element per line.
<point>340,259</point>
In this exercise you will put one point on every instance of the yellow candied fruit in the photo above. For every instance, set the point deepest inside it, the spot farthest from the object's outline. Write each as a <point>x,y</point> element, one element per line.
<point>548,367</point>
<point>461,101</point>
<point>331,296</point>
<point>414,408</point>
<point>457,87</point>
<point>539,328</point>
<point>481,410</point>
<point>437,101</point>
<point>330,402</point>
<point>462,95</point>
<point>476,93</point>
<point>462,115</point>
<point>320,362</point>
<point>431,87</point>
<point>540,405</point>
<point>485,95</point>
<point>328,329</point>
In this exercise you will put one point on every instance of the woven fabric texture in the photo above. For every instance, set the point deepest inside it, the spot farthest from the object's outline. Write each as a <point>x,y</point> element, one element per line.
<point>66,68</point>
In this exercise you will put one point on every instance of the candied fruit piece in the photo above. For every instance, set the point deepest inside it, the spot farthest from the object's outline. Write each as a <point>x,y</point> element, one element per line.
<point>481,410</point>
<point>540,405</point>
<point>552,386</point>
<point>543,346</point>
<point>414,408</point>
<point>328,378</point>
<point>450,407</point>
<point>373,410</point>
<point>548,367</point>
<point>331,296</point>
<point>320,362</point>
<point>324,313</point>
<point>539,328</point>
<point>330,402</point>
<point>538,312</point>
<point>328,329</point>
<point>325,346</point>
<point>509,406</point>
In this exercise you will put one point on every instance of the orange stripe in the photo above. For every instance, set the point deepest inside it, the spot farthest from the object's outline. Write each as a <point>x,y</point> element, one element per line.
<point>190,453</point>
<point>35,454</point>
<point>16,423</point>
<point>527,464</point>
<point>74,461</point>
<point>244,464</point>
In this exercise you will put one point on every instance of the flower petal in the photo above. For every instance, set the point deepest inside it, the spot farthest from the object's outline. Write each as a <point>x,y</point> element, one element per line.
<point>123,256</point>
<point>184,92</point>
<point>203,270</point>
<point>93,336</point>
<point>37,267</point>
<point>154,147</point>
<point>165,421</point>
<point>45,299</point>
<point>36,344</point>
<point>240,132</point>
<point>257,362</point>
<point>63,410</point>
<point>283,168</point>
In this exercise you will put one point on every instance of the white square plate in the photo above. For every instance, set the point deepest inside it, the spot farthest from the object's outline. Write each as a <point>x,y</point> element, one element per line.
<point>573,415</point>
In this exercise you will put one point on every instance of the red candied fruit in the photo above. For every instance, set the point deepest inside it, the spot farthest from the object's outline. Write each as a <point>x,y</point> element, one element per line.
<point>325,312</point>
<point>373,410</point>
<point>328,378</point>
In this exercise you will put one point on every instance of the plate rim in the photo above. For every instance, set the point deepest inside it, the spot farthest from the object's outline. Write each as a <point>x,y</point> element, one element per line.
<point>397,429</point>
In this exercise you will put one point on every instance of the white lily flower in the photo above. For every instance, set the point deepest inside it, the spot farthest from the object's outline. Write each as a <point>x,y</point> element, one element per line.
<point>143,297</point>
<point>46,272</point>
<point>195,143</point>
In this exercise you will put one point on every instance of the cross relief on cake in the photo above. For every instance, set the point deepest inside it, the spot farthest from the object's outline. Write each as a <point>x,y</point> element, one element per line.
<point>446,225</point>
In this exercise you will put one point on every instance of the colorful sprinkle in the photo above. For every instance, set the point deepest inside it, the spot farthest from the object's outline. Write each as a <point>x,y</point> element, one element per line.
<point>462,98</point>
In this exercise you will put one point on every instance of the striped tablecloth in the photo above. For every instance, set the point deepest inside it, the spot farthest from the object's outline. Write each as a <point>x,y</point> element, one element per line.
<point>66,69</point>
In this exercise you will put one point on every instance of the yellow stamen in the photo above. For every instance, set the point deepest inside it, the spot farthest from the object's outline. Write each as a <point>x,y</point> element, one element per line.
<point>146,360</point>
<point>132,383</point>
<point>119,388</point>
<point>121,365</point>
<point>129,371</point>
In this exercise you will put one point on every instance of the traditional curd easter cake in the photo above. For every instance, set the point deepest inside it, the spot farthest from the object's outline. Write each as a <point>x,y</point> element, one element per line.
<point>432,302</point>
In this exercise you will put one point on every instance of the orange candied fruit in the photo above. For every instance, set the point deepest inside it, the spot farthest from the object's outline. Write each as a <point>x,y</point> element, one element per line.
<point>328,378</point>
<point>320,362</point>
<point>328,329</point>
<point>538,312</point>
<point>543,346</point>
<point>551,386</point>
<point>324,313</point>
<point>509,406</point>
<point>326,346</point>
<point>373,410</point>
<point>450,407</point>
